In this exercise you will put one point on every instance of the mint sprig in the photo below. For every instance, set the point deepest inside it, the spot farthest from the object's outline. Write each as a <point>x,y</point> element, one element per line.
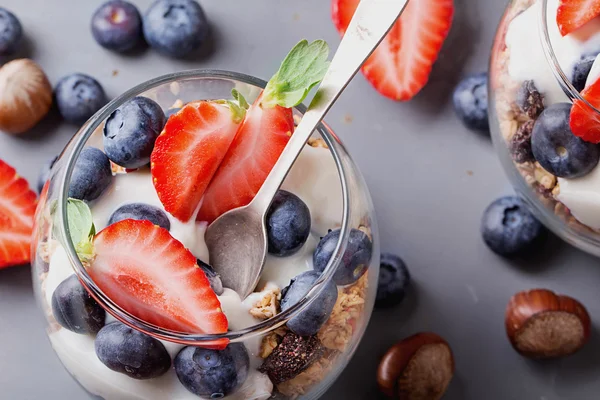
<point>302,69</point>
<point>81,228</point>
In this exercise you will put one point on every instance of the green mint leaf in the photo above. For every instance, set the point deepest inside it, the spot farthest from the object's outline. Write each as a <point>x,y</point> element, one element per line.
<point>81,228</point>
<point>302,69</point>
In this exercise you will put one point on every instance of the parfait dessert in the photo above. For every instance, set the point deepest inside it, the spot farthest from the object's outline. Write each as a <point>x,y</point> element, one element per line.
<point>135,309</point>
<point>545,90</point>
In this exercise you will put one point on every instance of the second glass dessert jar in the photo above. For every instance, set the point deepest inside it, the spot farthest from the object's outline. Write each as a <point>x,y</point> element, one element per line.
<point>536,75</point>
<point>279,363</point>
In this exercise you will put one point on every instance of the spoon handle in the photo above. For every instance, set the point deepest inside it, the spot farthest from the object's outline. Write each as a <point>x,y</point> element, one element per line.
<point>372,20</point>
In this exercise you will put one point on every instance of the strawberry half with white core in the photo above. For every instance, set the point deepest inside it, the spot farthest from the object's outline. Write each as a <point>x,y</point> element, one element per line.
<point>573,14</point>
<point>17,208</point>
<point>189,150</point>
<point>584,121</point>
<point>265,131</point>
<point>400,66</point>
<point>148,273</point>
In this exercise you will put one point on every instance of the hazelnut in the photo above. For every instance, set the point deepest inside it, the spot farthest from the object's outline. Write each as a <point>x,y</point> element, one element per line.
<point>419,367</point>
<point>25,95</point>
<point>541,324</point>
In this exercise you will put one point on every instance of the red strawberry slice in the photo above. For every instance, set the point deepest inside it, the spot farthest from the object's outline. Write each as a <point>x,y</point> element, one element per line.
<point>17,208</point>
<point>400,66</point>
<point>584,121</point>
<point>154,277</point>
<point>258,144</point>
<point>572,14</point>
<point>188,152</point>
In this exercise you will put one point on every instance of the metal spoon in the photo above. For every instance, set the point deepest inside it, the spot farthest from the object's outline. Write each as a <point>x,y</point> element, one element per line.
<point>237,240</point>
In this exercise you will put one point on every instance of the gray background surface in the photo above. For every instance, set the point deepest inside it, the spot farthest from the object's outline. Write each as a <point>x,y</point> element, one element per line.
<point>429,177</point>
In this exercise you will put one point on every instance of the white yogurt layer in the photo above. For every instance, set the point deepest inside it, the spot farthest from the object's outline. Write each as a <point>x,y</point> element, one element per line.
<point>314,178</point>
<point>528,62</point>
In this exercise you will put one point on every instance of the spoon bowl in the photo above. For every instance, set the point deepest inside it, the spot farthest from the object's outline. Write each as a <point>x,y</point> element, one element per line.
<point>237,244</point>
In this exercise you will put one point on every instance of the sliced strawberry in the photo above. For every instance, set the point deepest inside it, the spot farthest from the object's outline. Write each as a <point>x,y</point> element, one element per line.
<point>188,152</point>
<point>143,269</point>
<point>573,14</point>
<point>584,121</point>
<point>17,208</point>
<point>400,66</point>
<point>258,144</point>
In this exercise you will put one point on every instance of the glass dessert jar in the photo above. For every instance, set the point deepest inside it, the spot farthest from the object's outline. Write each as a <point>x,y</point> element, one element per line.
<point>538,77</point>
<point>115,354</point>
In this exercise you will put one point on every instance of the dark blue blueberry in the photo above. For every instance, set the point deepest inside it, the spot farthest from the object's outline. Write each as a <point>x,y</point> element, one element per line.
<point>288,224</point>
<point>74,309</point>
<point>78,97</point>
<point>91,176</point>
<point>582,69</point>
<point>355,260</point>
<point>471,102</point>
<point>213,277</point>
<point>557,149</point>
<point>172,111</point>
<point>11,32</point>
<point>175,27</point>
<point>117,25</point>
<point>308,321</point>
<point>212,374</point>
<point>45,174</point>
<point>508,227</point>
<point>131,130</point>
<point>131,352</point>
<point>141,211</point>
<point>394,279</point>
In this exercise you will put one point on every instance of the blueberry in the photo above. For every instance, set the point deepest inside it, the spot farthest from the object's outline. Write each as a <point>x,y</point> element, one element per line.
<point>131,130</point>
<point>131,352</point>
<point>557,149</point>
<point>11,32</point>
<point>508,227</point>
<point>117,25</point>
<point>213,277</point>
<point>45,174</point>
<point>355,260</point>
<point>582,69</point>
<point>74,309</point>
<point>212,374</point>
<point>308,321</point>
<point>175,28</point>
<point>288,224</point>
<point>141,211</point>
<point>471,102</point>
<point>78,97</point>
<point>91,176</point>
<point>394,279</point>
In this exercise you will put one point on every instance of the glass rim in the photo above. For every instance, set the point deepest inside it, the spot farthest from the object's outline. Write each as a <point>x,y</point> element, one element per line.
<point>562,78</point>
<point>81,138</point>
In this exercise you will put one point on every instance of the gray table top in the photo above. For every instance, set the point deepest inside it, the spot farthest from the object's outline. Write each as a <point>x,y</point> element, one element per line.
<point>429,177</point>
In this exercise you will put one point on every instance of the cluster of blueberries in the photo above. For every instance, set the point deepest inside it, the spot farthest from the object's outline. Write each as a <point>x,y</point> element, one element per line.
<point>175,28</point>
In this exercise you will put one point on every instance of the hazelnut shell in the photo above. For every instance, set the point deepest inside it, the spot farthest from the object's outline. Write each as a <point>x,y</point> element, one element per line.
<point>419,367</point>
<point>541,324</point>
<point>25,96</point>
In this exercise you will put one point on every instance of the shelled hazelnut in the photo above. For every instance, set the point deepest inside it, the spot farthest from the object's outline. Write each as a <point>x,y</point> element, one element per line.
<point>25,96</point>
<point>541,324</point>
<point>419,367</point>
